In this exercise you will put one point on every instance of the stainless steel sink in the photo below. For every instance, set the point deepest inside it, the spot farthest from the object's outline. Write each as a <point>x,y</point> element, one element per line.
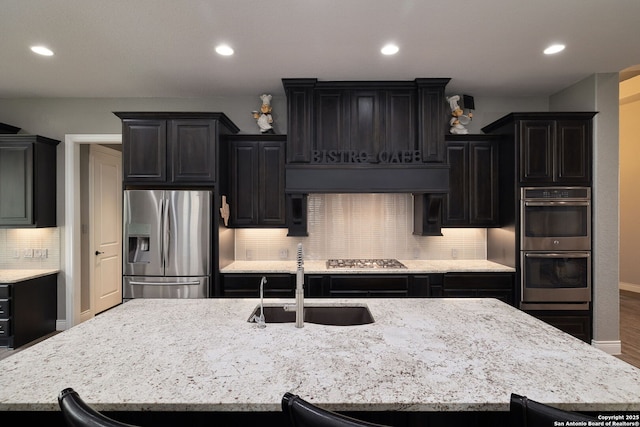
<point>335,315</point>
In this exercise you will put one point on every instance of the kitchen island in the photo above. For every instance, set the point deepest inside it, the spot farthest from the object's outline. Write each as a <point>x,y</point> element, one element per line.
<point>420,358</point>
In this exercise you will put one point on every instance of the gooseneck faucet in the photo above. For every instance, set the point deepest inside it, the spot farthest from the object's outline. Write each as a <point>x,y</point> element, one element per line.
<point>260,320</point>
<point>299,289</point>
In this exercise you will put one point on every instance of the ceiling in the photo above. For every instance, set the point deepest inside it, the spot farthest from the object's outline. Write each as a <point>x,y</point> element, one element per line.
<point>165,48</point>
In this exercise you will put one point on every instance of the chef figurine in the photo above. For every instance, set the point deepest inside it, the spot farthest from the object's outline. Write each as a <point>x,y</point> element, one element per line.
<point>456,126</point>
<point>264,115</point>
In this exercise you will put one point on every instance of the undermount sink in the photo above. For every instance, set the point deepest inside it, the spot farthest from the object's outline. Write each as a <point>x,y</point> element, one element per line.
<point>334,315</point>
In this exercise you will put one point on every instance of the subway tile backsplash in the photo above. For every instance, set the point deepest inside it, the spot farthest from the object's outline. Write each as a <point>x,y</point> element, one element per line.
<point>25,248</point>
<point>361,226</point>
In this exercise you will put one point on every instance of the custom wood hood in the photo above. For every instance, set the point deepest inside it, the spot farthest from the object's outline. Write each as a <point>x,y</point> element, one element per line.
<point>366,136</point>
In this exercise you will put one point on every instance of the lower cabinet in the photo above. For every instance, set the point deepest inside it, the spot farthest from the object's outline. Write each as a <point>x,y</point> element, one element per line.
<point>576,323</point>
<point>248,285</point>
<point>479,285</point>
<point>28,310</point>
<point>333,285</point>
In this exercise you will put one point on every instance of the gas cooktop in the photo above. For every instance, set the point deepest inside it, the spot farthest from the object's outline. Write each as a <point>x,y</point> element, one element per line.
<point>364,263</point>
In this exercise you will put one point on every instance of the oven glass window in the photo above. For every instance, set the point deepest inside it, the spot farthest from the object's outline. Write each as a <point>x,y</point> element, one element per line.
<point>556,221</point>
<point>552,272</point>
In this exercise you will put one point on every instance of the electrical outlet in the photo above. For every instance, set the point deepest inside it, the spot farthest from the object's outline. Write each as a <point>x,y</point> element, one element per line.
<point>37,253</point>
<point>16,253</point>
<point>454,253</point>
<point>28,253</point>
<point>45,253</point>
<point>284,253</point>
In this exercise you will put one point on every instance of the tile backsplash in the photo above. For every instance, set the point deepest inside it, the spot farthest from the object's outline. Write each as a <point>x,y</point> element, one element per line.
<point>361,226</point>
<point>26,248</point>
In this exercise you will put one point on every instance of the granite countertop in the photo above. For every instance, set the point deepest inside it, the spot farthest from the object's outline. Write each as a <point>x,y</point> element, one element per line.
<point>413,267</point>
<point>14,276</point>
<point>419,355</point>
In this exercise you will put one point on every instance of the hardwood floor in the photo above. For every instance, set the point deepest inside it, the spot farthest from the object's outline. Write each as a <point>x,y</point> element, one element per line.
<point>629,330</point>
<point>630,327</point>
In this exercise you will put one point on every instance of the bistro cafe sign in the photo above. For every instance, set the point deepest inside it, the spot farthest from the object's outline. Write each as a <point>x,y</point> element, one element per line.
<point>354,157</point>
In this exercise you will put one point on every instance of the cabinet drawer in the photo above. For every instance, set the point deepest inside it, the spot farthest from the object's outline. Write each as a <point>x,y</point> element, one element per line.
<point>248,286</point>
<point>5,308</point>
<point>478,280</point>
<point>5,328</point>
<point>5,291</point>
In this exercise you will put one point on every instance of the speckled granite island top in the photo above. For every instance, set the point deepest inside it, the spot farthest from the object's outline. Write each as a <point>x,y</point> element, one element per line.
<point>413,267</point>
<point>419,355</point>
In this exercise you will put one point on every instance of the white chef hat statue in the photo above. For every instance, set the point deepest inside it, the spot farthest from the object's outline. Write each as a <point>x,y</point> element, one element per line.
<point>263,116</point>
<point>459,119</point>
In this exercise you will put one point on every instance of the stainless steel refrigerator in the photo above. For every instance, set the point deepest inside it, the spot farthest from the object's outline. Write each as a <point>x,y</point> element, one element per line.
<point>167,244</point>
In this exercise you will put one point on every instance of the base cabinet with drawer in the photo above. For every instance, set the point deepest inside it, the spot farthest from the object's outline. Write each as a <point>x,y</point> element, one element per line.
<point>28,310</point>
<point>479,285</point>
<point>576,323</point>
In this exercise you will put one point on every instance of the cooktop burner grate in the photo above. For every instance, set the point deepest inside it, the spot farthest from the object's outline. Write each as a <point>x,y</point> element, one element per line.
<point>364,263</point>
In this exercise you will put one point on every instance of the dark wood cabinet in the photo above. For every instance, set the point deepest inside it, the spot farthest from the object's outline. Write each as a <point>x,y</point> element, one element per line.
<point>248,285</point>
<point>371,117</point>
<point>27,181</point>
<point>373,285</point>
<point>576,323</point>
<point>172,148</point>
<point>256,170</point>
<point>479,285</point>
<point>472,200</point>
<point>553,148</point>
<point>27,310</point>
<point>555,151</point>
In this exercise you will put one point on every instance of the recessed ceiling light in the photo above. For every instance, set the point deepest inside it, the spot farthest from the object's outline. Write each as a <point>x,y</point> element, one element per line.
<point>554,48</point>
<point>42,50</point>
<point>389,49</point>
<point>224,50</point>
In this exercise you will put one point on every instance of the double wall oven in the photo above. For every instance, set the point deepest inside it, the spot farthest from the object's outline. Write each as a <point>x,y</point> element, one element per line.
<point>555,248</point>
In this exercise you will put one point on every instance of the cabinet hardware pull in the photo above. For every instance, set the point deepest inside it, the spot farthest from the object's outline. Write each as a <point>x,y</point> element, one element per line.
<point>98,252</point>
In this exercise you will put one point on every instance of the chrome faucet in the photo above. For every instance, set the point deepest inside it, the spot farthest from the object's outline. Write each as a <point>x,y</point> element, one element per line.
<point>260,319</point>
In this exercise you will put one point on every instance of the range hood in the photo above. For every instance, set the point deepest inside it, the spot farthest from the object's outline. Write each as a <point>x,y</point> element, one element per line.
<point>366,136</point>
<point>374,178</point>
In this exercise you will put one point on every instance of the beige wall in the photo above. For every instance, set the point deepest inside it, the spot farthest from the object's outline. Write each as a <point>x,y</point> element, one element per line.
<point>629,181</point>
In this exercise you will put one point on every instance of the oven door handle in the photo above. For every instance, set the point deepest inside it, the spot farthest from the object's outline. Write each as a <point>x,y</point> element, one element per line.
<point>564,203</point>
<point>558,255</point>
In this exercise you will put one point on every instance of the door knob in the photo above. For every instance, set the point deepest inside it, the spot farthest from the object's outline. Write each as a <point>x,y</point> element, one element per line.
<point>98,252</point>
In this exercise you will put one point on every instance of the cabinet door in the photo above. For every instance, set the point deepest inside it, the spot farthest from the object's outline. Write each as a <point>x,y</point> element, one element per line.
<point>483,184</point>
<point>144,151</point>
<point>400,121</point>
<point>536,151</point>
<point>573,152</point>
<point>331,120</point>
<point>271,206</point>
<point>365,123</point>
<point>16,184</point>
<point>244,180</point>
<point>456,208</point>
<point>192,154</point>
<point>257,183</point>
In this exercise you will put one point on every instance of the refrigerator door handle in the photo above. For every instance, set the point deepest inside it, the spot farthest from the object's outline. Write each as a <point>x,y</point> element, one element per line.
<point>166,232</point>
<point>164,283</point>
<point>161,237</point>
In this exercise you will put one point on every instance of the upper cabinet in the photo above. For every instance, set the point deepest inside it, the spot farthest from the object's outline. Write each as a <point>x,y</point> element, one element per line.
<point>27,181</point>
<point>552,148</point>
<point>472,200</point>
<point>360,122</point>
<point>178,148</point>
<point>256,171</point>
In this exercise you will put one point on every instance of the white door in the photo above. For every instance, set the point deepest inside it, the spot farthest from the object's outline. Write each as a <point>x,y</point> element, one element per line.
<point>105,235</point>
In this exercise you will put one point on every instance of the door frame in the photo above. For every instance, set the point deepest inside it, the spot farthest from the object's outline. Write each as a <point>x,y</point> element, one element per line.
<point>71,273</point>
